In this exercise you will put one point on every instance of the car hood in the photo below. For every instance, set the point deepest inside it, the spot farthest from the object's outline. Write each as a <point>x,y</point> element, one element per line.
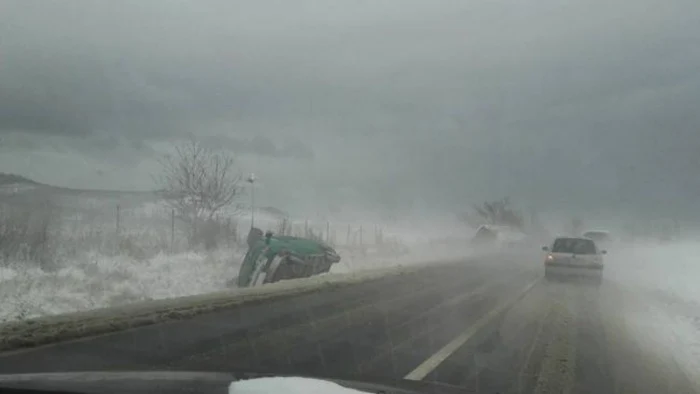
<point>208,382</point>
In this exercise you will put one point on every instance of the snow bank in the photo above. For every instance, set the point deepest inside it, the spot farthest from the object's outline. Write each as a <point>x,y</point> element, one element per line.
<point>671,268</point>
<point>661,308</point>
<point>658,341</point>
<point>671,335</point>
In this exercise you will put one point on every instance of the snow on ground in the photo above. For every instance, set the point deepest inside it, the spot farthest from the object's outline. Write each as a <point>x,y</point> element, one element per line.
<point>659,284</point>
<point>671,268</point>
<point>95,280</point>
<point>671,334</point>
<point>87,250</point>
<point>87,278</point>
<point>91,254</point>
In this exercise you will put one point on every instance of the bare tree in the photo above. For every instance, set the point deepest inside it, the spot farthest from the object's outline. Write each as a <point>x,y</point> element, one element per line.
<point>497,212</point>
<point>198,183</point>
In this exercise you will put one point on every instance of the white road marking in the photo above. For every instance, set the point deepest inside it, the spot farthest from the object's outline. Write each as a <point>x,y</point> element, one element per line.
<point>441,355</point>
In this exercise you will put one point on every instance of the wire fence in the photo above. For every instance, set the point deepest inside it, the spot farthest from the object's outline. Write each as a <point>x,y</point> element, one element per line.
<point>230,229</point>
<point>48,233</point>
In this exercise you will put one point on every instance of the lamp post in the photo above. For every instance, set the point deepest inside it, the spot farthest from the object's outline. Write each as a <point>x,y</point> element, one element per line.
<point>251,179</point>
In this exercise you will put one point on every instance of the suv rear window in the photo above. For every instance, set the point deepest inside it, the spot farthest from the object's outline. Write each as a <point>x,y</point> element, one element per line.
<point>574,246</point>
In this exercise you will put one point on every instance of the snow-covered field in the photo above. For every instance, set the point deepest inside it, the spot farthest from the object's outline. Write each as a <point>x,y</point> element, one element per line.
<point>660,298</point>
<point>96,280</point>
<point>91,260</point>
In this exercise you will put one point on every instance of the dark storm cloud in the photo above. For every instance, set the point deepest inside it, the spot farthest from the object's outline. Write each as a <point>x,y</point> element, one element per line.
<point>442,101</point>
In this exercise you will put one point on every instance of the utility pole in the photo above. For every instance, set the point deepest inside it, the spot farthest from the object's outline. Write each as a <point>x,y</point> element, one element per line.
<point>251,179</point>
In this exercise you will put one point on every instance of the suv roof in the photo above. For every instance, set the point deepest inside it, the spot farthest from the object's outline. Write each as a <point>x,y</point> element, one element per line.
<point>597,232</point>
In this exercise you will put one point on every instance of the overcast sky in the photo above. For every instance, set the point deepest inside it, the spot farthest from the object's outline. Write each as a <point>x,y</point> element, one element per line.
<point>584,105</point>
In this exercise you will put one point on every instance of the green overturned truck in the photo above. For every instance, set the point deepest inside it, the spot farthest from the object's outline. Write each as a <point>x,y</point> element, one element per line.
<point>271,258</point>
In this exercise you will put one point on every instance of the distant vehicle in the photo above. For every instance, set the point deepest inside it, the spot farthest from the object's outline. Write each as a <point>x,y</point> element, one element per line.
<point>602,238</point>
<point>574,257</point>
<point>273,258</point>
<point>497,235</point>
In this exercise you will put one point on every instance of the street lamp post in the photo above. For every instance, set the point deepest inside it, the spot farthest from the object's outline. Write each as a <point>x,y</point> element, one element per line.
<point>251,179</point>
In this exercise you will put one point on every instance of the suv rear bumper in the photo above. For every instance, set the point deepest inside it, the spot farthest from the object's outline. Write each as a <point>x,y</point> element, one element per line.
<point>571,271</point>
<point>589,266</point>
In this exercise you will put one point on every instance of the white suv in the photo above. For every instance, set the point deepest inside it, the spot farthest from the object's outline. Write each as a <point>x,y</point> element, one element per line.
<point>571,256</point>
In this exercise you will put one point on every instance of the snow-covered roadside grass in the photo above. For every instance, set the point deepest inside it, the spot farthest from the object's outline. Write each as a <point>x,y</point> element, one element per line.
<point>94,280</point>
<point>55,261</point>
<point>74,255</point>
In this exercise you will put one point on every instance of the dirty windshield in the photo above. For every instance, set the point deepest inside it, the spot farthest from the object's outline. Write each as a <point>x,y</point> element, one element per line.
<point>432,196</point>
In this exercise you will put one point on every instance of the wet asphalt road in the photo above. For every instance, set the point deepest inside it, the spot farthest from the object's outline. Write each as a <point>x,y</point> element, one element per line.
<point>468,325</point>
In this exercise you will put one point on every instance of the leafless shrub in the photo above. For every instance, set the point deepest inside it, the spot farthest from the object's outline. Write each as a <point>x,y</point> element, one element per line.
<point>199,183</point>
<point>129,246</point>
<point>499,212</point>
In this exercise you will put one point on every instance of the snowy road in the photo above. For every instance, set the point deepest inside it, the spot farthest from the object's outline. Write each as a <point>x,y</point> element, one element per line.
<point>490,328</point>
